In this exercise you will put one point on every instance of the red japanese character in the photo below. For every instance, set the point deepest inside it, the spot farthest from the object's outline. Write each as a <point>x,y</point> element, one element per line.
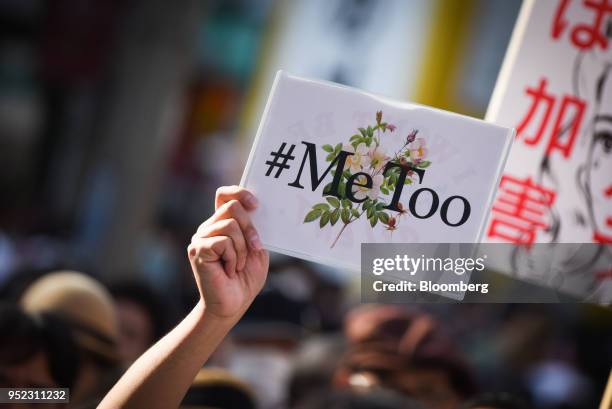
<point>539,97</point>
<point>519,210</point>
<point>584,36</point>
<point>578,105</point>
<point>559,23</point>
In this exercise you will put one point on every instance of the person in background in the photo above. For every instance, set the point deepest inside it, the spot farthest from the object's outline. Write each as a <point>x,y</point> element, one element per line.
<point>88,310</point>
<point>217,388</point>
<point>390,347</point>
<point>142,318</point>
<point>374,399</point>
<point>265,341</point>
<point>35,352</point>
<point>230,267</point>
<point>495,401</point>
<point>314,366</point>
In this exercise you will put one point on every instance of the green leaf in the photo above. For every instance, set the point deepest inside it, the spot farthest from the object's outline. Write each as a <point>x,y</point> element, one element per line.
<point>338,148</point>
<point>355,213</point>
<point>342,189</point>
<point>384,190</point>
<point>373,221</point>
<point>383,217</point>
<point>327,188</point>
<point>321,206</point>
<point>424,164</point>
<point>333,201</point>
<point>335,215</point>
<point>346,203</point>
<point>328,148</point>
<point>354,138</point>
<point>366,204</point>
<point>408,181</point>
<point>346,215</point>
<point>380,206</point>
<point>371,211</point>
<point>370,131</point>
<point>363,132</point>
<point>324,220</point>
<point>312,215</point>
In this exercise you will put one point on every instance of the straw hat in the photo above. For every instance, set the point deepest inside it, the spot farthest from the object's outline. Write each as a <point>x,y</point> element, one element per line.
<point>84,303</point>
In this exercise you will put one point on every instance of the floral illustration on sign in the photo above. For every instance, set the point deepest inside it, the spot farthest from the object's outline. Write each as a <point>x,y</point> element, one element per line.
<point>372,181</point>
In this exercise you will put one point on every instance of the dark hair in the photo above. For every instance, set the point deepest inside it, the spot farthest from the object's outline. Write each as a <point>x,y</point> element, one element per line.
<point>221,396</point>
<point>500,400</point>
<point>143,295</point>
<point>20,336</point>
<point>373,399</point>
<point>458,373</point>
<point>13,287</point>
<point>314,366</point>
<point>385,362</point>
<point>24,335</point>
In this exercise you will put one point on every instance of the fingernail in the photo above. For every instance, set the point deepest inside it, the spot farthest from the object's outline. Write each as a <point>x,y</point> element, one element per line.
<point>255,241</point>
<point>251,200</point>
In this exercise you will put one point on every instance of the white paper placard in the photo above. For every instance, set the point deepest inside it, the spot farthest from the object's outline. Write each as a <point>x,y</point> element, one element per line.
<point>555,87</point>
<point>452,163</point>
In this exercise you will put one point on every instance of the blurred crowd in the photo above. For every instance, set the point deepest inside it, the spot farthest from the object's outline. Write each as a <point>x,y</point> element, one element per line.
<point>119,119</point>
<point>310,349</point>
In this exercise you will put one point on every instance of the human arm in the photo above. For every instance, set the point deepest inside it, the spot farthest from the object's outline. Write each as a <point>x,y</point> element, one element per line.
<point>230,267</point>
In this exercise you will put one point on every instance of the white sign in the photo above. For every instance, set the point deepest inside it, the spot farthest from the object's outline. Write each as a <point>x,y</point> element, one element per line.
<point>555,88</point>
<point>334,167</point>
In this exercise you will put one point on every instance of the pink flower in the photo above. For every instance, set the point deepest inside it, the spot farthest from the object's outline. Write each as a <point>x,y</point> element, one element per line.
<point>402,209</point>
<point>378,157</point>
<point>418,151</point>
<point>411,136</point>
<point>391,127</point>
<point>392,224</point>
<point>365,192</point>
<point>360,158</point>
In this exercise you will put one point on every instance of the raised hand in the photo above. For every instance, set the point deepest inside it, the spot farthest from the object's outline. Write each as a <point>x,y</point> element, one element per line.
<point>227,257</point>
<point>230,268</point>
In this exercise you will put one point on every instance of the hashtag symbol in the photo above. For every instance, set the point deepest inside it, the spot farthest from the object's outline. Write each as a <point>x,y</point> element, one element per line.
<point>280,160</point>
